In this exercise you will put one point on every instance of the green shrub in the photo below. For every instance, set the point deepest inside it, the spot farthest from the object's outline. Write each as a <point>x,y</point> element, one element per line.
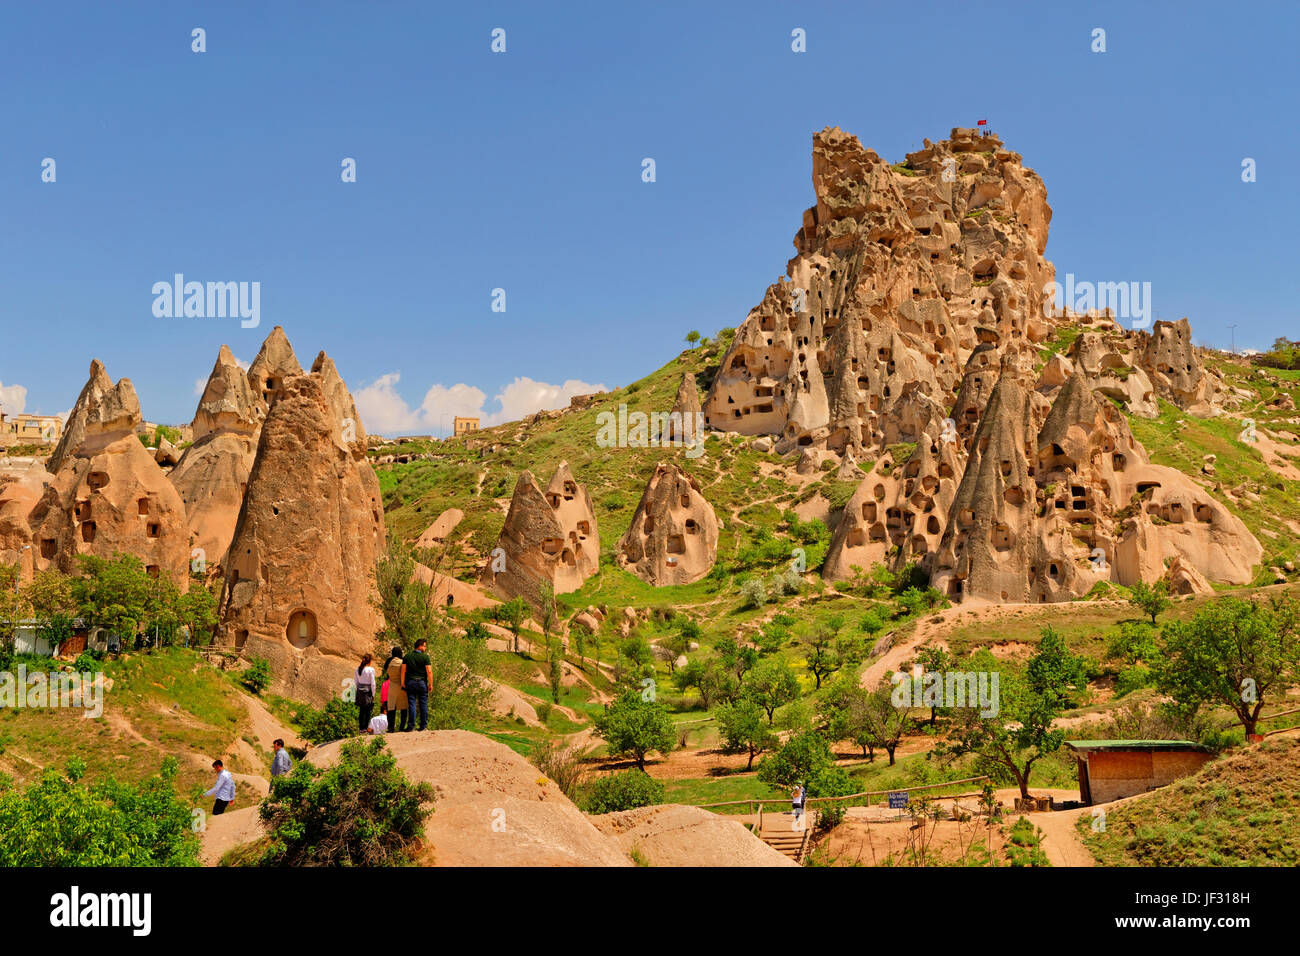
<point>622,791</point>
<point>1023,847</point>
<point>360,812</point>
<point>754,593</point>
<point>1132,678</point>
<point>257,676</point>
<point>88,662</point>
<point>337,720</point>
<point>61,822</point>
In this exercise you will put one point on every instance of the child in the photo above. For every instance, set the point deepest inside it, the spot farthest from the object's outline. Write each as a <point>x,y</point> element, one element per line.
<point>383,697</point>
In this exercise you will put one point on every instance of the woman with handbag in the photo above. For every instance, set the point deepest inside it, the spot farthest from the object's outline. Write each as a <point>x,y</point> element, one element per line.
<point>365,692</point>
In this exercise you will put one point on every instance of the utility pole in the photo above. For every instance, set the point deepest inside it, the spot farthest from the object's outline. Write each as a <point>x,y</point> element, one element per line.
<point>1233,330</point>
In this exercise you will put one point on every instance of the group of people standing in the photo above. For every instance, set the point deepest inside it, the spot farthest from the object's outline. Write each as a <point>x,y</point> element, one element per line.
<point>403,696</point>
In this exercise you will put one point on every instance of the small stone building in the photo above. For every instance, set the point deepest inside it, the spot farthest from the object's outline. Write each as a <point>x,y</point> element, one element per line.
<point>1111,769</point>
<point>461,426</point>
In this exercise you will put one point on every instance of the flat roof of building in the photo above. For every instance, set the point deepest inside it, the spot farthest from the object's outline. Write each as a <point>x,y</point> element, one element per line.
<point>1134,745</point>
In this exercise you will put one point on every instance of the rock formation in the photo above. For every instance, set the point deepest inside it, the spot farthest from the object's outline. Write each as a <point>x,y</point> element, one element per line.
<point>684,424</point>
<point>22,484</point>
<point>673,538</point>
<point>549,536</point>
<point>436,534</point>
<point>300,576</point>
<point>108,494</point>
<point>274,363</point>
<point>1179,375</point>
<point>911,331</point>
<point>900,273</point>
<point>212,474</point>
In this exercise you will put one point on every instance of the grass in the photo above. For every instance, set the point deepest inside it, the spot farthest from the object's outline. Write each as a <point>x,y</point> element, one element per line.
<point>165,702</point>
<point>1240,810</point>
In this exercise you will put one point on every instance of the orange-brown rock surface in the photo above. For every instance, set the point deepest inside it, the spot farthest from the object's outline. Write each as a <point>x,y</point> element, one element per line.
<point>108,494</point>
<point>911,333</point>
<point>673,538</point>
<point>212,474</point>
<point>301,564</point>
<point>549,537</point>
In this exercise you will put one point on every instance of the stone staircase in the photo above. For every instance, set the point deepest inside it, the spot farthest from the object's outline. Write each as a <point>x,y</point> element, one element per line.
<point>777,831</point>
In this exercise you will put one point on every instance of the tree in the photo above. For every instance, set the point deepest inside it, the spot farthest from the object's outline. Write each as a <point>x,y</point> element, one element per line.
<point>513,613</point>
<point>114,593</point>
<point>735,658</point>
<point>196,609</point>
<point>1054,672</point>
<point>60,821</point>
<point>772,683</point>
<point>1020,733</point>
<point>844,714</point>
<point>827,652</point>
<point>13,603</point>
<point>692,337</point>
<point>806,759</point>
<point>934,659</point>
<point>885,724</point>
<point>555,670</point>
<point>1135,644</point>
<point>1233,653</point>
<point>360,812</point>
<point>742,729</point>
<point>635,727</point>
<point>1152,599</point>
<point>717,684</point>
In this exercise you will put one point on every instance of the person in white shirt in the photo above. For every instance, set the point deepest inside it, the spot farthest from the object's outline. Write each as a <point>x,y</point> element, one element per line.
<point>378,724</point>
<point>223,790</point>
<point>365,681</point>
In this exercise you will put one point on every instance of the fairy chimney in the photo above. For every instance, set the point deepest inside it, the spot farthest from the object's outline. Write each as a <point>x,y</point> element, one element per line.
<point>109,496</point>
<point>549,537</point>
<point>300,583</point>
<point>673,538</point>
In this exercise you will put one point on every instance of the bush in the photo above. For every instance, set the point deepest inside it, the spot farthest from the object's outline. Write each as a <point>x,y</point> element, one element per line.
<point>754,593</point>
<point>336,721</point>
<point>561,763</point>
<point>1133,678</point>
<point>257,676</point>
<point>622,791</point>
<point>360,812</point>
<point>61,822</point>
<point>88,662</point>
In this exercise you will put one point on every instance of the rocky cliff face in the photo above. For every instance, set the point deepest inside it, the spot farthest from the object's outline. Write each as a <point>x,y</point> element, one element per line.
<point>300,576</point>
<point>912,323</point>
<point>673,538</point>
<point>108,494</point>
<point>212,474</point>
<point>549,537</point>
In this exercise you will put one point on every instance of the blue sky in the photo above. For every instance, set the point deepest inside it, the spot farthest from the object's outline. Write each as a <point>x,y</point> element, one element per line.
<point>522,171</point>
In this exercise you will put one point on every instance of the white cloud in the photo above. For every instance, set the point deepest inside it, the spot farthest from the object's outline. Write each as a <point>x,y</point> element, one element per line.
<point>385,412</point>
<point>13,399</point>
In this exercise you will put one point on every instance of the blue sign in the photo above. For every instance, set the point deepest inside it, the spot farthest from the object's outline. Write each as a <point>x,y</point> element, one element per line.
<point>898,800</point>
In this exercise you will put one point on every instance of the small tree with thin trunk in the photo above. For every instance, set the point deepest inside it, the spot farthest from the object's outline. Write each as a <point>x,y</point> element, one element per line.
<point>1151,599</point>
<point>743,731</point>
<point>1233,653</point>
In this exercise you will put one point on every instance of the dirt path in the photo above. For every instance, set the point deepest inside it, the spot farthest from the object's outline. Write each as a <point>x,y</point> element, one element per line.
<point>221,834</point>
